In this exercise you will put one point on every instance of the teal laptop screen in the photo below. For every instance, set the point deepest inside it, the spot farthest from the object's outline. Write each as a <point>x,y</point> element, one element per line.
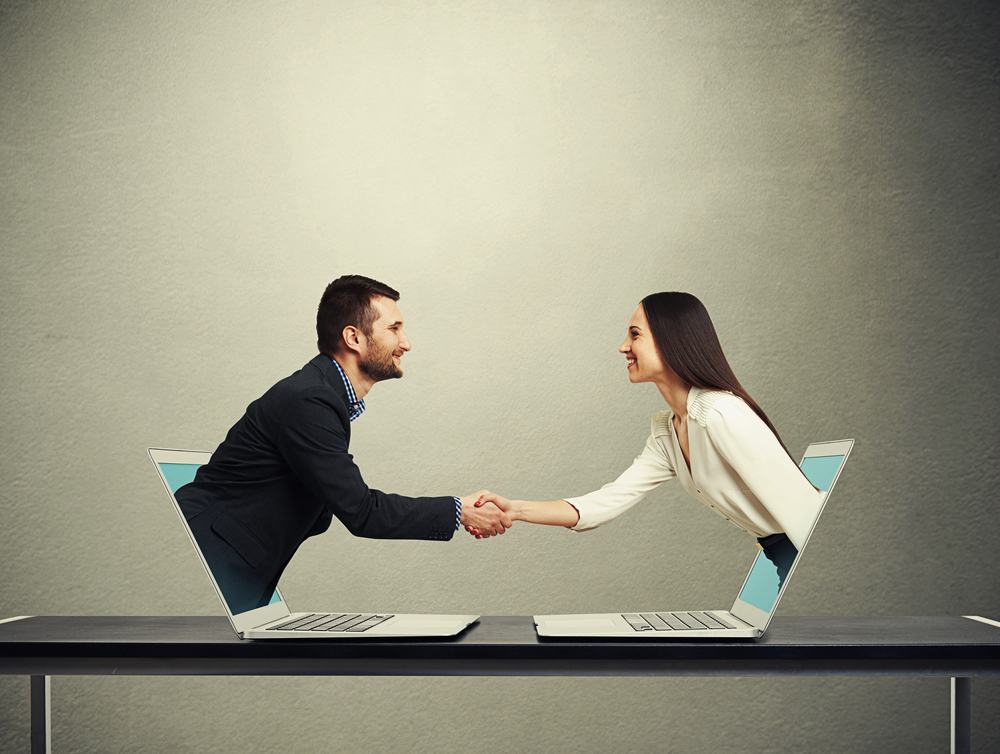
<point>179,474</point>
<point>821,470</point>
<point>764,583</point>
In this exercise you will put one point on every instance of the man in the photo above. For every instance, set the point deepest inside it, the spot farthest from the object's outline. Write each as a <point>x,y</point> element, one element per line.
<point>284,469</point>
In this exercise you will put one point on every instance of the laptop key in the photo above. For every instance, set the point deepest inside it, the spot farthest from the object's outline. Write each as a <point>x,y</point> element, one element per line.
<point>693,622</point>
<point>334,620</point>
<point>725,623</point>
<point>346,621</point>
<point>656,622</point>
<point>689,623</point>
<point>370,623</point>
<point>345,625</point>
<point>696,621</point>
<point>711,621</point>
<point>636,622</point>
<point>671,620</point>
<point>295,622</point>
<point>310,624</point>
<point>305,625</point>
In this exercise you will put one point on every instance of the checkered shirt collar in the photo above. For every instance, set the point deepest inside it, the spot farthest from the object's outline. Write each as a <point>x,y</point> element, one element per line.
<point>354,406</point>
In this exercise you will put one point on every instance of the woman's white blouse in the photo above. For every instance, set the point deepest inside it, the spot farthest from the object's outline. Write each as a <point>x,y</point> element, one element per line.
<point>738,469</point>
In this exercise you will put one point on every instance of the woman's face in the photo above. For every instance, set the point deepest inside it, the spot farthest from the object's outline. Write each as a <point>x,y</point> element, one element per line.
<point>644,362</point>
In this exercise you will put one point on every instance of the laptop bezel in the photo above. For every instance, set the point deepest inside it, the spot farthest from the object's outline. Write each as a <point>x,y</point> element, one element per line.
<point>757,618</point>
<point>753,614</point>
<point>254,623</point>
<point>241,622</point>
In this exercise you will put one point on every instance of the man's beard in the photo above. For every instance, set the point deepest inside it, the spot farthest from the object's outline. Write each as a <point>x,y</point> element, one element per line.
<point>378,364</point>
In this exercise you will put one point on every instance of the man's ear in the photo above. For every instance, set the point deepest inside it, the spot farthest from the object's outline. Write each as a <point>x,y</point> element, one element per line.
<point>353,339</point>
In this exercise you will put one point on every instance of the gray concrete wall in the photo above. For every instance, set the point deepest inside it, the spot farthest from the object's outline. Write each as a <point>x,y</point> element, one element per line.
<point>178,182</point>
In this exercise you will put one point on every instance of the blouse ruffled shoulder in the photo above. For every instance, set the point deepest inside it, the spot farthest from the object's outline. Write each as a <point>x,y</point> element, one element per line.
<point>662,424</point>
<point>707,401</point>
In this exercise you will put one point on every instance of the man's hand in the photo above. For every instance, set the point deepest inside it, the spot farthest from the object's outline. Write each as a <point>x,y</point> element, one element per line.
<point>483,520</point>
<point>500,502</point>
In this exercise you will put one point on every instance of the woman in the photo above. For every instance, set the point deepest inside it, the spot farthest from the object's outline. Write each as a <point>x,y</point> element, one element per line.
<point>713,437</point>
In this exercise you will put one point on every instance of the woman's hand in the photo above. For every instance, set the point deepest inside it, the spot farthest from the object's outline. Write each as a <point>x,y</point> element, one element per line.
<point>502,503</point>
<point>553,513</point>
<point>481,518</point>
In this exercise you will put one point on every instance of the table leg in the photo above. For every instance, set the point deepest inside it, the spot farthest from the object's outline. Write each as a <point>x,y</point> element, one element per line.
<point>961,715</point>
<point>41,714</point>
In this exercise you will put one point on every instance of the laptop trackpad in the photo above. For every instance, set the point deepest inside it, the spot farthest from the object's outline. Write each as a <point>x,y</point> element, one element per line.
<point>582,625</point>
<point>423,627</point>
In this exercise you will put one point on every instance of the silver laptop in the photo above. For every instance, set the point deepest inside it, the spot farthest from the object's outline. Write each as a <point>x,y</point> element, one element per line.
<point>755,603</point>
<point>276,620</point>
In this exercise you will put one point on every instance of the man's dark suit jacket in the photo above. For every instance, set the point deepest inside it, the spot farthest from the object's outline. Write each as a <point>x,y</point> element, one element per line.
<point>280,475</point>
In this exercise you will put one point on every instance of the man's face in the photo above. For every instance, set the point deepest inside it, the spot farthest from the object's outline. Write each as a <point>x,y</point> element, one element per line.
<point>385,348</point>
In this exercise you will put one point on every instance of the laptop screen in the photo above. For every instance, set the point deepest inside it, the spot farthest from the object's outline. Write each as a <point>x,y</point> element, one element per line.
<point>763,584</point>
<point>179,474</point>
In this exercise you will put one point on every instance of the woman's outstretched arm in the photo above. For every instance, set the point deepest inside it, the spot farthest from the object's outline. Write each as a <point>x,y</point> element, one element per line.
<point>552,513</point>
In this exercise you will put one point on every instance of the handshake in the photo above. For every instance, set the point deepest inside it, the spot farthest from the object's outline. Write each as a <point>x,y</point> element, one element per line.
<point>485,514</point>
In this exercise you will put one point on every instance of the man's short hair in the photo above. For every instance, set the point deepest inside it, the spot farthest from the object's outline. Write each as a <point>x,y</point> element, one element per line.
<point>347,302</point>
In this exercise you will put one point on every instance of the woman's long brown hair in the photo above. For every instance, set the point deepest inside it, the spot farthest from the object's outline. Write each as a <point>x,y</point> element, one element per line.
<point>688,344</point>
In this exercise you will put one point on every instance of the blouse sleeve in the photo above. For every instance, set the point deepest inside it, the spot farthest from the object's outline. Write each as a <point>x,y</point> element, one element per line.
<point>651,469</point>
<point>754,453</point>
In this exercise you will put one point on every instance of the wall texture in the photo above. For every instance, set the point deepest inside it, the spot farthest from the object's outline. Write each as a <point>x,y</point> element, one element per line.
<point>178,182</point>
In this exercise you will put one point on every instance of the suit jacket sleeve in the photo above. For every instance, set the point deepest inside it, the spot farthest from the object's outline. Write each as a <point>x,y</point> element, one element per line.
<point>313,439</point>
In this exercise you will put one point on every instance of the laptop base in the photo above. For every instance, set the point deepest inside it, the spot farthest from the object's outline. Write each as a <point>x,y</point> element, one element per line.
<point>630,626</point>
<point>361,626</point>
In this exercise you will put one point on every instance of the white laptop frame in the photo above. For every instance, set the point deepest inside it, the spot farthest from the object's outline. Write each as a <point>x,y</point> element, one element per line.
<point>754,615</point>
<point>241,622</point>
<point>254,624</point>
<point>758,619</point>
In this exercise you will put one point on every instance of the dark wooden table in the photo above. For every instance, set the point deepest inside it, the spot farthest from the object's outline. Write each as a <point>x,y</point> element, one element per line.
<point>950,646</point>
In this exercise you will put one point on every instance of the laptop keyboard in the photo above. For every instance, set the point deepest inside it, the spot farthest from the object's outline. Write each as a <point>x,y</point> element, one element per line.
<point>675,621</point>
<point>332,622</point>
